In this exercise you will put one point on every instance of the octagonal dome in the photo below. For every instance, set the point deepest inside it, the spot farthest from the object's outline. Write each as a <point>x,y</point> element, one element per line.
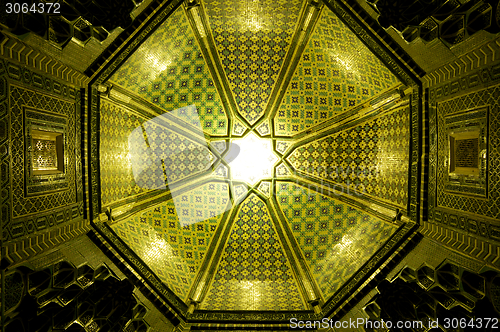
<point>253,155</point>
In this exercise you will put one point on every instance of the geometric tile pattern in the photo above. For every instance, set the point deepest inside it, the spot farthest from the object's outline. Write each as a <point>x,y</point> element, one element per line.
<point>282,170</point>
<point>20,99</point>
<point>489,207</point>
<point>467,152</point>
<point>174,252</point>
<point>45,155</point>
<point>265,188</point>
<point>348,256</point>
<point>238,128</point>
<point>282,146</point>
<point>264,129</point>
<point>37,122</point>
<point>14,290</point>
<point>251,269</point>
<point>221,171</point>
<point>162,157</point>
<point>117,178</point>
<point>336,72</point>
<point>325,228</point>
<point>220,146</point>
<point>239,191</point>
<point>252,39</point>
<point>30,203</point>
<point>253,272</point>
<point>169,70</point>
<point>371,158</point>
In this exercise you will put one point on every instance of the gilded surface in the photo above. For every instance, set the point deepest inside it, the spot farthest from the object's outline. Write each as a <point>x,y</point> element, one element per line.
<point>253,272</point>
<point>20,99</point>
<point>173,237</point>
<point>117,178</point>
<point>45,155</point>
<point>139,155</point>
<point>253,267</point>
<point>462,201</point>
<point>469,153</point>
<point>369,158</point>
<point>169,71</point>
<point>252,39</point>
<point>336,72</point>
<point>37,120</point>
<point>335,239</point>
<point>30,203</point>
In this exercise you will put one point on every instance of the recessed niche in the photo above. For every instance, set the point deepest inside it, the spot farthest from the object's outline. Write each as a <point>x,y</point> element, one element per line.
<point>467,152</point>
<point>48,152</point>
<point>464,153</point>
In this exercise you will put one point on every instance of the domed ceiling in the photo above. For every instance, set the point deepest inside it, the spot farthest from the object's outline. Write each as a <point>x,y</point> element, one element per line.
<point>253,155</point>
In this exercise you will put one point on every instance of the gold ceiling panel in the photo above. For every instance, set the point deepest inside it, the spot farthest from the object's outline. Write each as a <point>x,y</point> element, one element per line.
<point>173,134</point>
<point>336,72</point>
<point>369,158</point>
<point>335,238</point>
<point>117,178</point>
<point>172,238</point>
<point>169,71</point>
<point>252,39</point>
<point>253,273</point>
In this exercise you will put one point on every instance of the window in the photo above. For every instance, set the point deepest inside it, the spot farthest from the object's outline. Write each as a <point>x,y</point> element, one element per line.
<point>48,152</point>
<point>465,141</point>
<point>464,153</point>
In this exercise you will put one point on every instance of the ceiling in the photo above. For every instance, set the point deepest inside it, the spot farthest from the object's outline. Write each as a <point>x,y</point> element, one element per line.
<point>287,88</point>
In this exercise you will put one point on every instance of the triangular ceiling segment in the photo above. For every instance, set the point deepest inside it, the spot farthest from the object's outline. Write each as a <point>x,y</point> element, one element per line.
<point>172,238</point>
<point>371,158</point>
<point>253,272</point>
<point>335,238</point>
<point>161,158</point>
<point>117,177</point>
<point>336,72</point>
<point>169,71</point>
<point>252,39</point>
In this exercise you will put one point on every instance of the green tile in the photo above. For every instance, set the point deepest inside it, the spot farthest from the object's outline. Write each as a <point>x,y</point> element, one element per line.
<point>370,158</point>
<point>253,272</point>
<point>172,238</point>
<point>117,178</point>
<point>336,72</point>
<point>335,239</point>
<point>169,70</point>
<point>252,39</point>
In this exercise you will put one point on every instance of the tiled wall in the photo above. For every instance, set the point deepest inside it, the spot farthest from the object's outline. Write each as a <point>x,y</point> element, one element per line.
<point>252,39</point>
<point>169,71</point>
<point>336,71</point>
<point>465,214</point>
<point>371,157</point>
<point>173,237</point>
<point>253,273</point>
<point>117,179</point>
<point>38,211</point>
<point>334,238</point>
